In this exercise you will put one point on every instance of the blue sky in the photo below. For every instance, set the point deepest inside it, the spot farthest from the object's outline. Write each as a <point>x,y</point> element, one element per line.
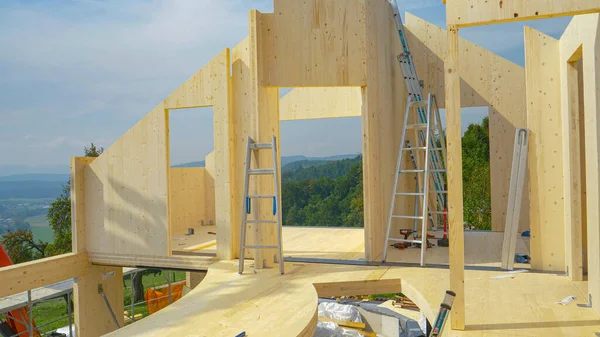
<point>81,71</point>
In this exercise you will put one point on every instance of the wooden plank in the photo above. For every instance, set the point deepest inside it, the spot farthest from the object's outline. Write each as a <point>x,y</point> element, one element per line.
<point>466,13</point>
<point>313,43</point>
<point>580,75</point>
<point>455,188</point>
<point>316,103</point>
<point>192,198</point>
<point>486,80</point>
<point>44,272</point>
<point>384,100</point>
<point>126,192</point>
<point>545,149</point>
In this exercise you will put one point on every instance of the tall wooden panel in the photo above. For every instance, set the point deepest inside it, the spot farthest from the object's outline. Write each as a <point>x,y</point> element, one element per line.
<point>126,192</point>
<point>384,99</point>
<point>545,151</point>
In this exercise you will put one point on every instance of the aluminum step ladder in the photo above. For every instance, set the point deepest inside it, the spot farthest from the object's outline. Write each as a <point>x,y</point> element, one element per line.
<point>247,204</point>
<point>428,173</point>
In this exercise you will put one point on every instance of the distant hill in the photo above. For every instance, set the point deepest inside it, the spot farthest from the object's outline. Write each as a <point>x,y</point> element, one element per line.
<point>31,189</point>
<point>285,160</point>
<point>306,170</point>
<point>191,164</point>
<point>36,177</point>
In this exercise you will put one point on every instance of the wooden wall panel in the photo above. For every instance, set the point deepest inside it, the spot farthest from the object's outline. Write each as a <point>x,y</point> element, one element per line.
<point>486,80</point>
<point>545,151</point>
<point>384,99</point>
<point>126,192</point>
<point>192,192</point>
<point>465,13</point>
<point>315,103</point>
<point>313,43</point>
<point>581,41</point>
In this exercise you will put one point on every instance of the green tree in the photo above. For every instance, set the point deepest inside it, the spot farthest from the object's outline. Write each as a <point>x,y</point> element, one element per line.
<point>21,246</point>
<point>476,175</point>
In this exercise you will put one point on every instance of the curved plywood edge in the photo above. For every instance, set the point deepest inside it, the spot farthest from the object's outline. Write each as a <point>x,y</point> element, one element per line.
<point>225,304</point>
<point>315,103</point>
<point>265,302</point>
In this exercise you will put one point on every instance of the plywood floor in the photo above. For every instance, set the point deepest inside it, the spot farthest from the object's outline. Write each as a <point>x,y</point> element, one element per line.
<point>481,248</point>
<point>265,303</point>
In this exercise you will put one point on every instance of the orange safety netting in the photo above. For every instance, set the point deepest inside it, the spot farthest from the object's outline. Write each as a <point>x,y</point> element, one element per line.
<point>158,298</point>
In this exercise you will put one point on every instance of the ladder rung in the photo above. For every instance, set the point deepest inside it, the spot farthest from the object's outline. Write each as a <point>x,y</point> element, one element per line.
<point>405,240</point>
<point>412,171</point>
<point>259,146</point>
<point>259,247</point>
<point>410,193</point>
<point>261,221</point>
<point>438,212</point>
<point>261,171</point>
<point>417,126</point>
<point>437,171</point>
<point>261,196</point>
<point>407,217</point>
<point>414,148</point>
<point>416,103</point>
<point>438,192</point>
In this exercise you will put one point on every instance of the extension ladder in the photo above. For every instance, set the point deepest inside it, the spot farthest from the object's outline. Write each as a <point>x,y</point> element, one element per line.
<point>434,168</point>
<point>427,145</point>
<point>247,204</point>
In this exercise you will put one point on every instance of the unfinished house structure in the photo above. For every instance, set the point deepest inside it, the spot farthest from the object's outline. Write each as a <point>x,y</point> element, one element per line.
<point>130,208</point>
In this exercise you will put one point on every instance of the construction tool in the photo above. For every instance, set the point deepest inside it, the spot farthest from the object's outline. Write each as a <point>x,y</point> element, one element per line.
<point>515,193</point>
<point>424,118</point>
<point>445,308</point>
<point>247,204</point>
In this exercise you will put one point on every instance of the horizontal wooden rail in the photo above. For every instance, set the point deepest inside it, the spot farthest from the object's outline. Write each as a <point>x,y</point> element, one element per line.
<point>39,273</point>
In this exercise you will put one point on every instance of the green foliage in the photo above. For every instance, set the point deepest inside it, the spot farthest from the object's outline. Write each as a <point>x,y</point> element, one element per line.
<point>476,176</point>
<point>324,201</point>
<point>21,247</point>
<point>306,169</point>
<point>59,218</point>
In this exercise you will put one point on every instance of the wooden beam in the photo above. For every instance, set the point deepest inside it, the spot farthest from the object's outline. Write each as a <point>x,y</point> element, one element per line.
<point>39,273</point>
<point>165,262</point>
<point>78,166</point>
<point>467,13</point>
<point>316,103</point>
<point>455,188</point>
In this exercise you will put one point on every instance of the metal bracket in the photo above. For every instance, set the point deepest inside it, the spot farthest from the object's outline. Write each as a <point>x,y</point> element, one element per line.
<point>588,305</point>
<point>112,314</point>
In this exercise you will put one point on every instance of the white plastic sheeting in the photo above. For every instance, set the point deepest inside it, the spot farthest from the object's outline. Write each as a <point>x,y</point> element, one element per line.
<point>330,329</point>
<point>340,312</point>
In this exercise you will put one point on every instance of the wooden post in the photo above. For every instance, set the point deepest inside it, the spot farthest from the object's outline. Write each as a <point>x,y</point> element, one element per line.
<point>455,188</point>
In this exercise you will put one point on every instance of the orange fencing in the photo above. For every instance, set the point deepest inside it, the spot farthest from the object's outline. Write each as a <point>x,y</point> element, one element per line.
<point>158,298</point>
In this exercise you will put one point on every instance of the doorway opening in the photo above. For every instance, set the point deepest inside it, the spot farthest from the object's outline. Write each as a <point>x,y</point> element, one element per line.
<point>191,181</point>
<point>577,167</point>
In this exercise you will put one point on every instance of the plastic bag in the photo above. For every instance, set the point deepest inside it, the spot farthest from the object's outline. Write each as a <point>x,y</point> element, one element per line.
<point>340,312</point>
<point>330,329</point>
